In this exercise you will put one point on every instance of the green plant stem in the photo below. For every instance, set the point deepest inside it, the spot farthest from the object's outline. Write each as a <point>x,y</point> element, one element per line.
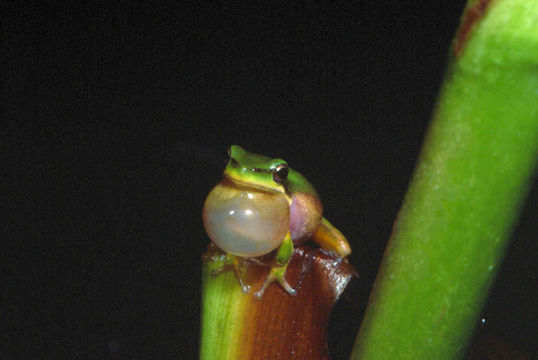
<point>475,168</point>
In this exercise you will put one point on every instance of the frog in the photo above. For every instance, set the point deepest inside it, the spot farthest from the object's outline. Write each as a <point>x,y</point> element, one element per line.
<point>262,205</point>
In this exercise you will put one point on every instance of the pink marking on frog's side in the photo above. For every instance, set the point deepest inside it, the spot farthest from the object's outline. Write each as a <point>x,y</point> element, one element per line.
<point>305,215</point>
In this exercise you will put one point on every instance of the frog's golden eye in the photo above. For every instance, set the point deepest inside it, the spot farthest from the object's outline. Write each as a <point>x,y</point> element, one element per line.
<point>280,174</point>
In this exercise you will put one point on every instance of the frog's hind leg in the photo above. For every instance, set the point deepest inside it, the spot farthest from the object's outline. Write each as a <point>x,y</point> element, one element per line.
<point>278,270</point>
<point>330,238</point>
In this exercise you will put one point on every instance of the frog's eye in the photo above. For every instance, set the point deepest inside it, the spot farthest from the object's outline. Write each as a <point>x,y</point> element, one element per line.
<point>280,174</point>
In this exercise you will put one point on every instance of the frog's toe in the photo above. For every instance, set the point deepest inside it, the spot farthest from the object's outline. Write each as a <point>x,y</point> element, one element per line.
<point>245,289</point>
<point>276,274</point>
<point>217,272</point>
<point>259,294</point>
<point>287,287</point>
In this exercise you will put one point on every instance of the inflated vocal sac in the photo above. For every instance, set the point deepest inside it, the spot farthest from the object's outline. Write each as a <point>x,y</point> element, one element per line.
<point>245,221</point>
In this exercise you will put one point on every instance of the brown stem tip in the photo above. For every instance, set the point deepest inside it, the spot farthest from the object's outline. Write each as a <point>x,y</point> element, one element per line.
<point>280,326</point>
<point>472,15</point>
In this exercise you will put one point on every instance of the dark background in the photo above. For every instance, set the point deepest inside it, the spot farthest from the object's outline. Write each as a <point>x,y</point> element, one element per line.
<point>118,119</point>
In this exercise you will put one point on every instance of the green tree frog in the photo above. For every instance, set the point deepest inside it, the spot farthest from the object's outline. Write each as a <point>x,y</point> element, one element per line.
<point>263,205</point>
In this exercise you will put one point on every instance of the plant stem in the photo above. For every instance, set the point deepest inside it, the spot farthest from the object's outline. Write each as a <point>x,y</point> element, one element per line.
<point>473,174</point>
<point>279,326</point>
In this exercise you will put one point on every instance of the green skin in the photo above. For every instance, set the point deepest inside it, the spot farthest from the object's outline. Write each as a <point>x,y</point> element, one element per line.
<point>265,174</point>
<point>257,171</point>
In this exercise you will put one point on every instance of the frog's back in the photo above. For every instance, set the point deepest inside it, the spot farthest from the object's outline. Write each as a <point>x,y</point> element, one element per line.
<point>298,183</point>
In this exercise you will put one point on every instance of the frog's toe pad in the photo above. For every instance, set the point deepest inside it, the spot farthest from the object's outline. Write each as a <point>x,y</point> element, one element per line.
<point>259,294</point>
<point>245,289</point>
<point>287,287</point>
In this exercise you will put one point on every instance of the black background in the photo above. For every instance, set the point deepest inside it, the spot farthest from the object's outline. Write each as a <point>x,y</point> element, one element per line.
<point>118,119</point>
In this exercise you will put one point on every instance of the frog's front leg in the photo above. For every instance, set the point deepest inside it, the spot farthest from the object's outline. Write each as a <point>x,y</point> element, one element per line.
<point>278,270</point>
<point>235,263</point>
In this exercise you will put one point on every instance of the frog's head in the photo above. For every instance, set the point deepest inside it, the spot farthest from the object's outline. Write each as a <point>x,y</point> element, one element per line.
<point>257,171</point>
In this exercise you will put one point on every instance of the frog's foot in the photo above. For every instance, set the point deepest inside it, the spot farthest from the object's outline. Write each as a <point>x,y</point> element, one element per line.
<point>236,264</point>
<point>277,273</point>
